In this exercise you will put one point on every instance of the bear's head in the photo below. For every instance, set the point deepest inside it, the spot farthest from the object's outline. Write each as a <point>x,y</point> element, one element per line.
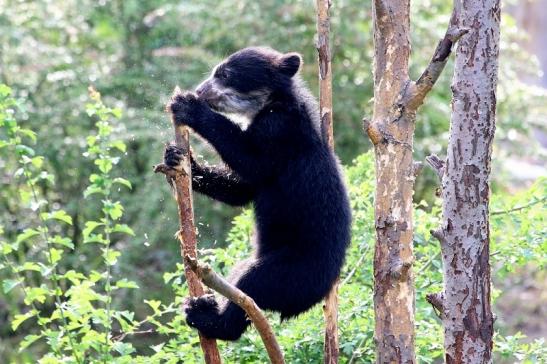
<point>243,83</point>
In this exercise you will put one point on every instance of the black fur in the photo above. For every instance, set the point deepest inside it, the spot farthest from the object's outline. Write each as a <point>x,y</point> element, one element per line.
<point>279,163</point>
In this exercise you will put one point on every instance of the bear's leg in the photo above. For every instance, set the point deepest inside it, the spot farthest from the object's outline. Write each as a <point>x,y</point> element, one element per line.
<point>277,281</point>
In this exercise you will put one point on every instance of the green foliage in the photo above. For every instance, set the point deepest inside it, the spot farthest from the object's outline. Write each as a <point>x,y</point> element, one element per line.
<point>78,319</point>
<point>73,310</point>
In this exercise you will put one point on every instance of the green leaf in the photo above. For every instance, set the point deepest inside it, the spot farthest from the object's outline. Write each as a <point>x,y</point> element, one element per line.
<point>123,348</point>
<point>37,161</point>
<point>90,226</point>
<point>118,144</point>
<point>90,190</point>
<point>57,239</point>
<point>95,238</point>
<point>123,228</point>
<point>124,283</point>
<point>104,164</point>
<point>6,248</point>
<point>55,254</point>
<point>37,294</point>
<point>27,341</point>
<point>154,304</point>
<point>111,256</point>
<point>115,210</point>
<point>60,215</point>
<point>30,134</point>
<point>91,140</point>
<point>73,276</point>
<point>23,150</point>
<point>122,181</point>
<point>4,90</point>
<point>29,266</point>
<point>116,112</point>
<point>26,234</point>
<point>20,318</point>
<point>9,284</point>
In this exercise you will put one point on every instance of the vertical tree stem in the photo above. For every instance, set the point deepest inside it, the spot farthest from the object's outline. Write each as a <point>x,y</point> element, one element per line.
<point>330,309</point>
<point>391,132</point>
<point>465,233</point>
<point>182,183</point>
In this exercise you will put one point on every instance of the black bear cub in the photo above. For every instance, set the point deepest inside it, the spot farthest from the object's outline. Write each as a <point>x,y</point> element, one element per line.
<point>279,163</point>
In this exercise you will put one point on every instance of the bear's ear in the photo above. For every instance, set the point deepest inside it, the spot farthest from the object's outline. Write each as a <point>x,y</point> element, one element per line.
<point>290,63</point>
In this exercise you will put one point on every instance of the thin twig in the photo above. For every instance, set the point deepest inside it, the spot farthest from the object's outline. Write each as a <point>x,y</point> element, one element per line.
<point>515,209</point>
<point>234,294</point>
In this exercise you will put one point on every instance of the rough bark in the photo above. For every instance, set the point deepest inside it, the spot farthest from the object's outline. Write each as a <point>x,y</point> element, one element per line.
<point>330,309</point>
<point>234,294</point>
<point>181,180</point>
<point>464,234</point>
<point>391,130</point>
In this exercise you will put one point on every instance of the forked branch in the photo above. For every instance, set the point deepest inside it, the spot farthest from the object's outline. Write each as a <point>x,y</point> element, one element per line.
<point>234,294</point>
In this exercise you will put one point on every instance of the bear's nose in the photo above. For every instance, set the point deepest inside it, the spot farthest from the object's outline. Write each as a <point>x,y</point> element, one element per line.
<point>203,88</point>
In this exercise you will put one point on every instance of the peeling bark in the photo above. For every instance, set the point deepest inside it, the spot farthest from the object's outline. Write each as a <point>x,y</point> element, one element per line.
<point>465,235</point>
<point>391,130</point>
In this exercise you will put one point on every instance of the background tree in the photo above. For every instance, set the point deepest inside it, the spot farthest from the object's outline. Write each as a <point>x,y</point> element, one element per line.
<point>391,130</point>
<point>465,303</point>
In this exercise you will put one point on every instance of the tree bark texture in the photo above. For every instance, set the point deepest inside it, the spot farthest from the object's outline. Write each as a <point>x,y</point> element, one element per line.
<point>391,130</point>
<point>330,309</point>
<point>464,234</point>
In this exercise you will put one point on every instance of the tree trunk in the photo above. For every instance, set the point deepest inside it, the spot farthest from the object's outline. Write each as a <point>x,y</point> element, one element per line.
<point>330,308</point>
<point>465,235</point>
<point>392,136</point>
<point>396,100</point>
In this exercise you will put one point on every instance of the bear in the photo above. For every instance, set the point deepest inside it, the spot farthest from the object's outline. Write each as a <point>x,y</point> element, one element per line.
<point>279,163</point>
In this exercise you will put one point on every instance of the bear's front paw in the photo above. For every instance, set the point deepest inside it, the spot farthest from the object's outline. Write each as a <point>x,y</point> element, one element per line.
<point>186,107</point>
<point>201,312</point>
<point>172,156</point>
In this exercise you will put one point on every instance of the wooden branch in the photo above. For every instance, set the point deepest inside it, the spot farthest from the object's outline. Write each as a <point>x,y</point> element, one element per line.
<point>234,294</point>
<point>330,309</point>
<point>413,95</point>
<point>436,300</point>
<point>437,164</point>
<point>519,208</point>
<point>438,234</point>
<point>435,67</point>
<point>325,70</point>
<point>181,180</point>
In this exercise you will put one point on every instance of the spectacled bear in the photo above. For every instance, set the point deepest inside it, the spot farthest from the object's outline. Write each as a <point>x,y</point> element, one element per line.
<point>279,163</point>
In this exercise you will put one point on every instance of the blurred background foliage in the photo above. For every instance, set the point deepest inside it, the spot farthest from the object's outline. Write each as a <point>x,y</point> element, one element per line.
<point>135,52</point>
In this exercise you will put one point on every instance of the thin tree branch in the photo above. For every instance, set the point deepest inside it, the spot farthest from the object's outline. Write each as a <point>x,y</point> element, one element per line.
<point>436,300</point>
<point>438,234</point>
<point>515,209</point>
<point>234,294</point>
<point>181,181</point>
<point>414,94</point>
<point>437,164</point>
<point>438,61</point>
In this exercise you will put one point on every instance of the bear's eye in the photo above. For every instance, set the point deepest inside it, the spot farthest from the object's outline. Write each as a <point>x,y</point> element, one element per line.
<point>222,74</point>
